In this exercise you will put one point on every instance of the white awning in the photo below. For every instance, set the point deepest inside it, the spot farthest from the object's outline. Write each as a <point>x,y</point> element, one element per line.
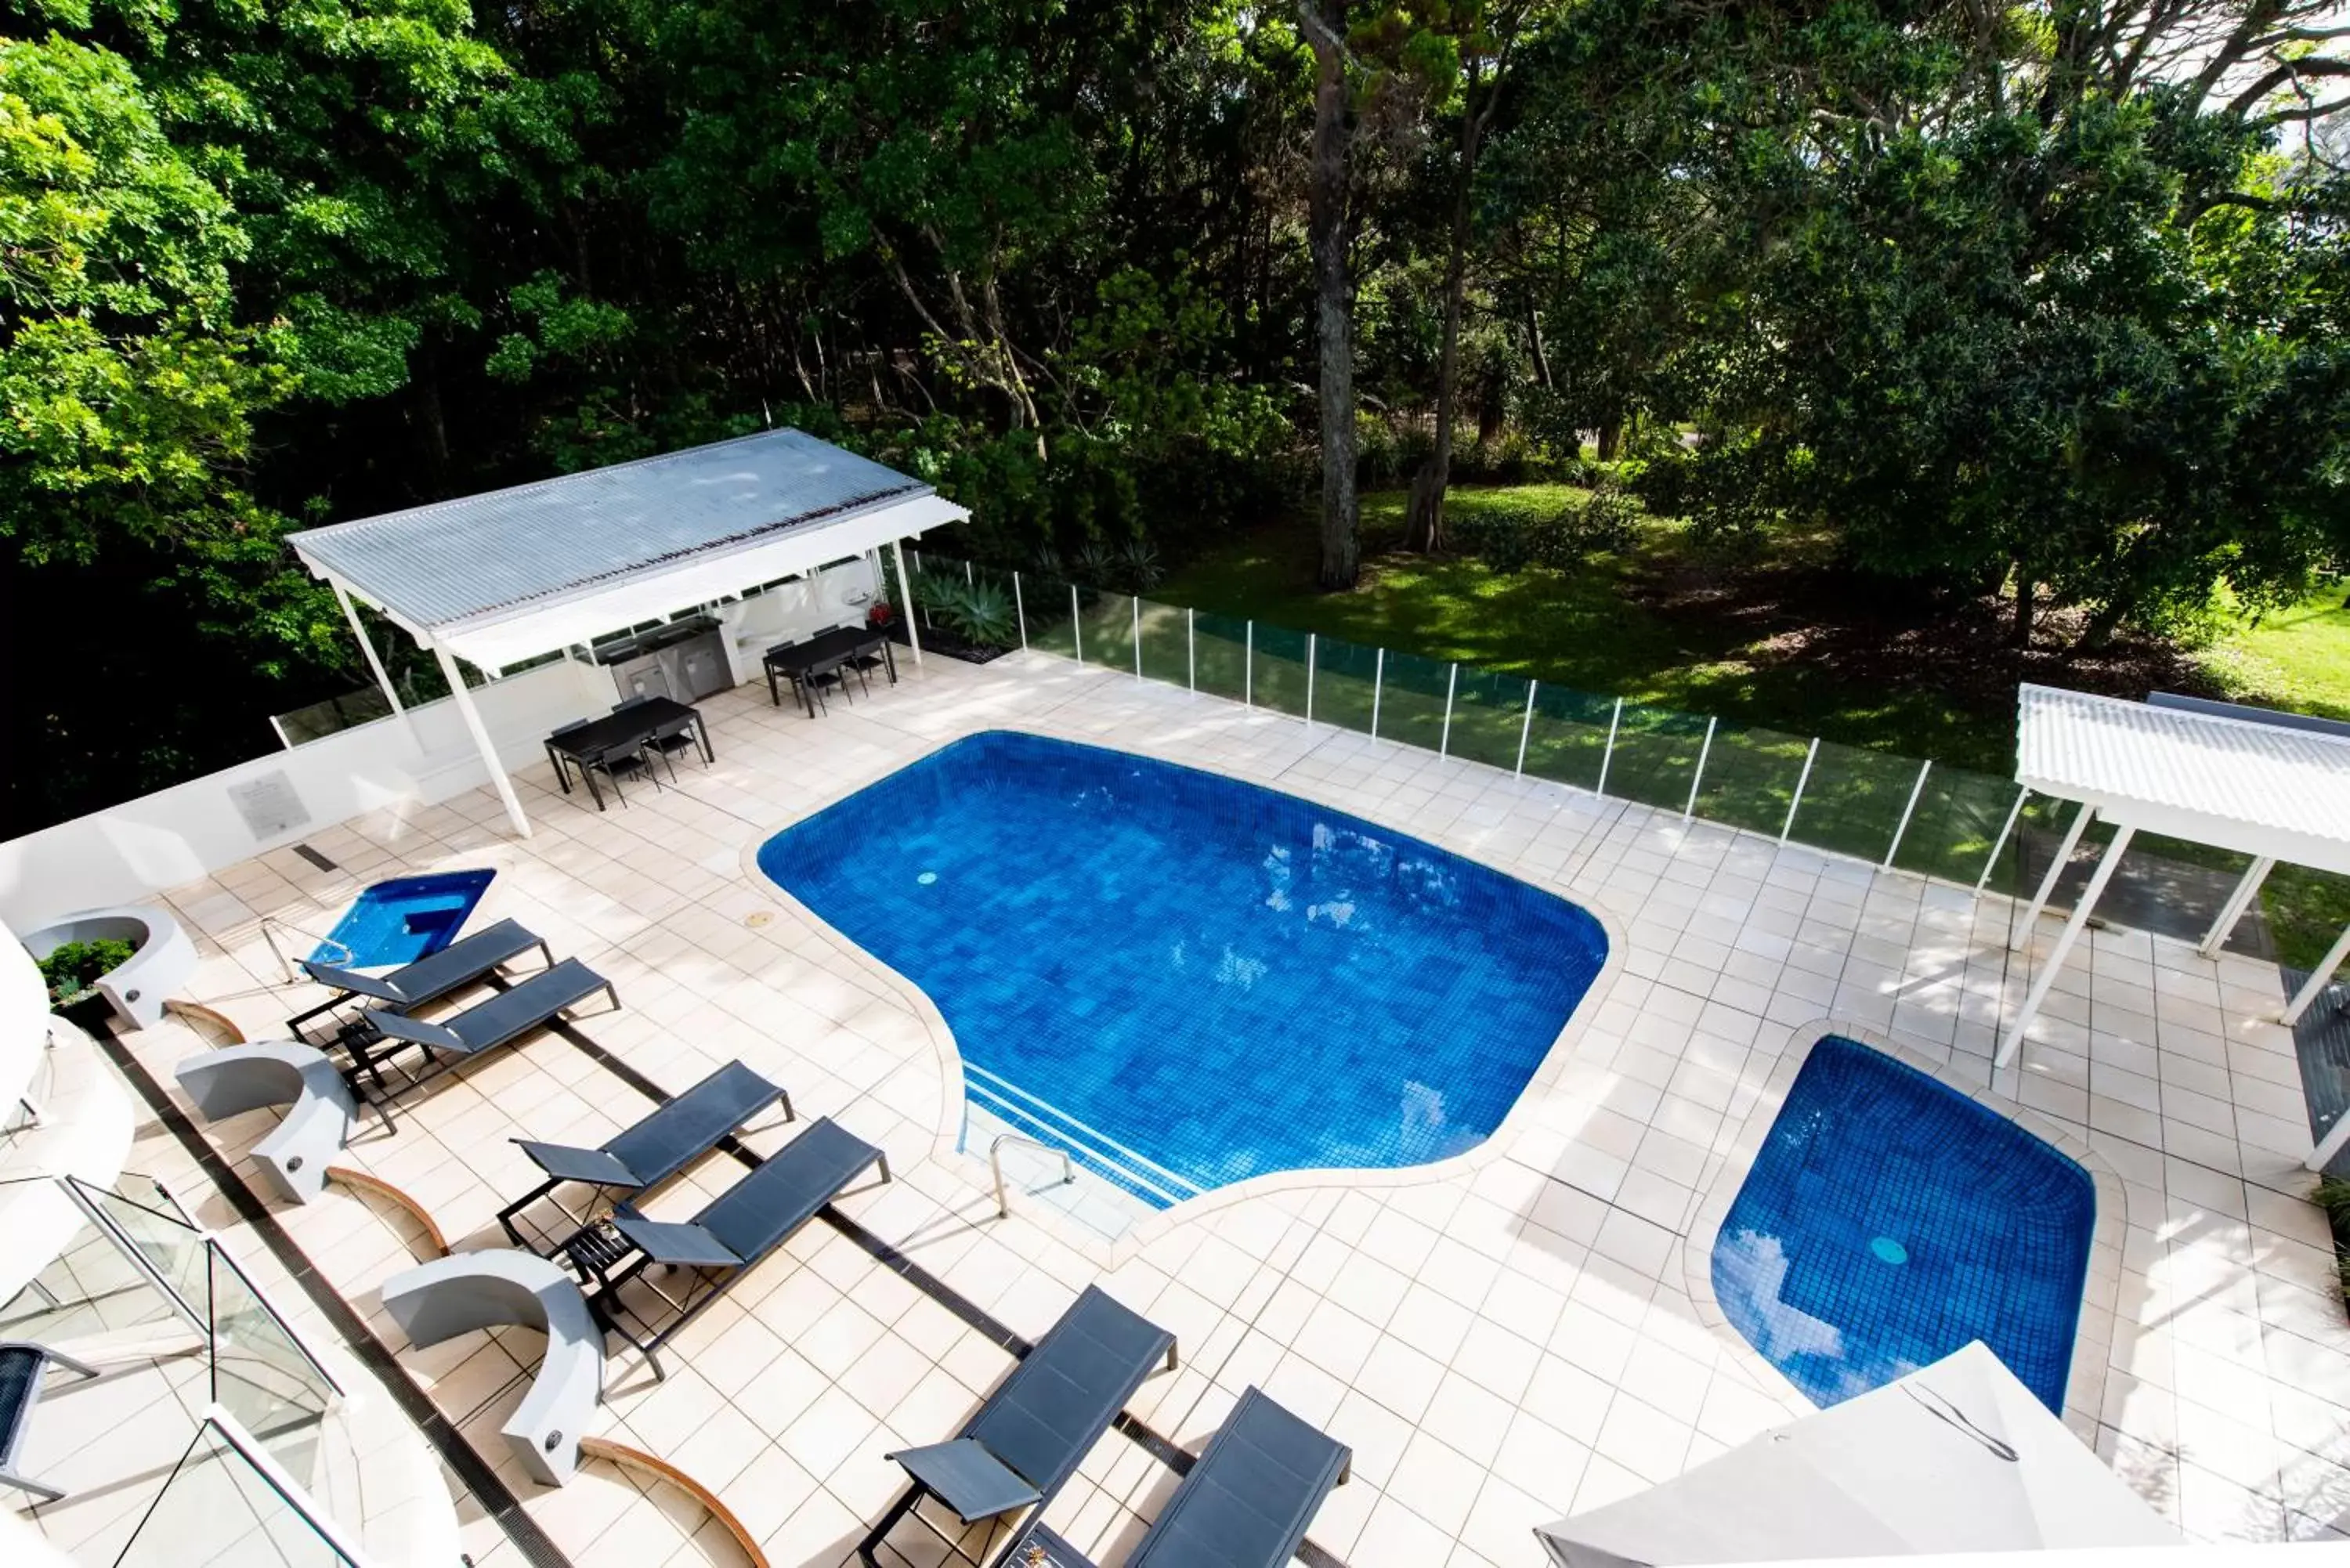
<point>510,575</point>
<point>1957,1456</point>
<point>2262,789</point>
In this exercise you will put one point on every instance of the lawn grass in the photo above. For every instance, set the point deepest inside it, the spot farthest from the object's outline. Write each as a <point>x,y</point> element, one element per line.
<point>1584,629</point>
<point>2297,658</point>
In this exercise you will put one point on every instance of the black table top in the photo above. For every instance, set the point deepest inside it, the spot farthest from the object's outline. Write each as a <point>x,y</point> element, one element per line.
<point>841,642</point>
<point>624,727</point>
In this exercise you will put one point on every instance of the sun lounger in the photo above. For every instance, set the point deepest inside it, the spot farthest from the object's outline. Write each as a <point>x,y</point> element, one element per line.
<point>672,1137</point>
<point>1246,1503</point>
<point>463,962</point>
<point>732,1234</point>
<point>495,1021</point>
<point>1028,1439</point>
<point>21,1365</point>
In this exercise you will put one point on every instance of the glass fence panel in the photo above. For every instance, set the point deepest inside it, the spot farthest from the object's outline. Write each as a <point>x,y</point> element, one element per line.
<point>1220,647</point>
<point>1052,625</point>
<point>1655,759</point>
<point>1106,622</point>
<point>1489,717</point>
<point>984,616</point>
<point>1277,673</point>
<point>1567,738</point>
<point>1166,644</point>
<point>1346,676</point>
<point>217,1508</point>
<point>365,706</point>
<point>1853,801</point>
<point>261,1375</point>
<point>153,1221</point>
<point>91,1287</point>
<point>1749,778</point>
<point>1958,819</point>
<point>1412,700</point>
<point>2031,845</point>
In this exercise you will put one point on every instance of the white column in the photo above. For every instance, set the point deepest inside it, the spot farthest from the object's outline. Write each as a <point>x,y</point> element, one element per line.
<point>1802,779</point>
<point>2065,940</point>
<point>1526,729</point>
<point>1378,686</point>
<point>905,592</point>
<point>1901,828</point>
<point>2319,978</point>
<point>2048,880</point>
<point>1608,755</point>
<point>482,742</point>
<point>1020,611</point>
<point>382,678</point>
<point>2238,902</point>
<point>1698,777</point>
<point>2005,828</point>
<point>1452,685</point>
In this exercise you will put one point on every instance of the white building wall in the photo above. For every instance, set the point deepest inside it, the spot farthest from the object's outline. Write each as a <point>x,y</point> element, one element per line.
<point>127,853</point>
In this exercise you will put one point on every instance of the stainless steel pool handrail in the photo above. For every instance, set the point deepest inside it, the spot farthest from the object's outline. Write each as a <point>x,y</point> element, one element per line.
<point>294,976</point>
<point>995,1162</point>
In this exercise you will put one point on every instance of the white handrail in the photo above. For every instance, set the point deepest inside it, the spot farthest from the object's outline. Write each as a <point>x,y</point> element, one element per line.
<point>995,1162</point>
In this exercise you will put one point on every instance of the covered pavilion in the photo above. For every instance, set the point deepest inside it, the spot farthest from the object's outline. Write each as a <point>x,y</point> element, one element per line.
<point>509,576</point>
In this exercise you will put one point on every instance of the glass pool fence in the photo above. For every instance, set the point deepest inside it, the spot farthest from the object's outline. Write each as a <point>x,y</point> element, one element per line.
<point>1896,812</point>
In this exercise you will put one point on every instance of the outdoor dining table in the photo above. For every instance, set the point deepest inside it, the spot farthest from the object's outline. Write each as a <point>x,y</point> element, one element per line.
<point>800,662</point>
<point>624,729</point>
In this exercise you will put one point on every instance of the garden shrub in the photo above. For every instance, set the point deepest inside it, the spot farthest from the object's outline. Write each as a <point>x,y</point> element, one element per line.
<point>74,966</point>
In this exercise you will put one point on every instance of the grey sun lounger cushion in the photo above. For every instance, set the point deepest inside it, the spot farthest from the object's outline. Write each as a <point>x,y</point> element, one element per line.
<point>755,1216</point>
<point>501,1017</point>
<point>460,964</point>
<point>1248,1502</point>
<point>671,1136</point>
<point>1028,1439</point>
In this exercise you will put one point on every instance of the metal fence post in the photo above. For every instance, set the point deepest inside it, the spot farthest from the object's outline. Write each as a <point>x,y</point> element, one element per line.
<point>1801,780</point>
<point>1378,688</point>
<point>1608,755</point>
<point>969,577</point>
<point>1310,641</point>
<point>1134,603</point>
<point>1452,685</point>
<point>1191,646</point>
<point>1698,777</point>
<point>1077,625</point>
<point>1526,729</point>
<point>2000,841</point>
<point>1248,665</point>
<point>1903,825</point>
<point>1020,609</point>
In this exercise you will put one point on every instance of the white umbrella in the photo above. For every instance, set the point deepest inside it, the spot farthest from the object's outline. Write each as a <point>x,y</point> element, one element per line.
<point>1956,1457</point>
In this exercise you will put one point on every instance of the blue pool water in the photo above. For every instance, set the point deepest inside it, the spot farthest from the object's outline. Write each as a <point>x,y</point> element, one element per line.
<point>1220,978</point>
<point>1889,1219</point>
<point>404,919</point>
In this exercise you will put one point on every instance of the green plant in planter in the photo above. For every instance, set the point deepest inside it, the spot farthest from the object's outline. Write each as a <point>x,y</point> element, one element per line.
<point>982,615</point>
<point>2332,1195</point>
<point>74,966</point>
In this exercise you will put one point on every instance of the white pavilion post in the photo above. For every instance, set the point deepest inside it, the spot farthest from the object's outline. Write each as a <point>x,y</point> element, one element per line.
<point>2039,896</point>
<point>905,592</point>
<point>482,742</point>
<point>2319,979</point>
<point>2065,940</point>
<point>375,663</point>
<point>2238,902</point>
<point>2330,1144</point>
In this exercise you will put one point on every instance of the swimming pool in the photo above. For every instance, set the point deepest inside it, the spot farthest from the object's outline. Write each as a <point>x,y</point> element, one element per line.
<point>1193,979</point>
<point>1888,1220</point>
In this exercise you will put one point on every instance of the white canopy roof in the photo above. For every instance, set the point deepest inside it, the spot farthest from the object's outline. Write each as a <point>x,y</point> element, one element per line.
<point>507,576</point>
<point>1957,1456</point>
<point>2264,789</point>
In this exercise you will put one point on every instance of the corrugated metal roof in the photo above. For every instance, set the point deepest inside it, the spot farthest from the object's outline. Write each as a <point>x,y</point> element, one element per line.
<point>2103,750</point>
<point>454,560</point>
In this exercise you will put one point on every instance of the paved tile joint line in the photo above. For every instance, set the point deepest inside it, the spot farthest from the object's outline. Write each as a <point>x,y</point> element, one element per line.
<point>1504,1339</point>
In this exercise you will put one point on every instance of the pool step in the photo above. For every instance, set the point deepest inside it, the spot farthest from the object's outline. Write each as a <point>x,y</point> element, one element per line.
<point>1091,1148</point>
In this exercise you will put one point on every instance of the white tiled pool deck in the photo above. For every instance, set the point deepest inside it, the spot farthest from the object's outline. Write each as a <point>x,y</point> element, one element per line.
<point>1504,1340</point>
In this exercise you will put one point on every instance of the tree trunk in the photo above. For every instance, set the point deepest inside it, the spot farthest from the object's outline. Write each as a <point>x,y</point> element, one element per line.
<point>1424,528</point>
<point>1611,438</point>
<point>1535,341</point>
<point>2026,592</point>
<point>1334,288</point>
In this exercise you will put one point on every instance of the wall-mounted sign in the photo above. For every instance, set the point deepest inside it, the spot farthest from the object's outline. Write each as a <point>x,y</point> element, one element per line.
<point>269,806</point>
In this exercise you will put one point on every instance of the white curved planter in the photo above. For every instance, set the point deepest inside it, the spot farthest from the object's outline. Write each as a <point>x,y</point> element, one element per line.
<point>136,989</point>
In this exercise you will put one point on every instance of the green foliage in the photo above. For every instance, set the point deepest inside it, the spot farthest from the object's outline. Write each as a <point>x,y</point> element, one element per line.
<point>1606,521</point>
<point>977,609</point>
<point>72,967</point>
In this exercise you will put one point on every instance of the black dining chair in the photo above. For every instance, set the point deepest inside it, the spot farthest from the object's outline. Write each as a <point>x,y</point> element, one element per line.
<point>615,765</point>
<point>668,741</point>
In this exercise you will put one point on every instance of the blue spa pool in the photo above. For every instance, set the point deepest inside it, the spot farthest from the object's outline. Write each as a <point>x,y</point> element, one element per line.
<point>403,919</point>
<point>1193,979</point>
<point>1889,1219</point>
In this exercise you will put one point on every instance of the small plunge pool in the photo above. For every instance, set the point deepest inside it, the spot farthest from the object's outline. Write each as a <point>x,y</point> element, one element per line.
<point>1889,1219</point>
<point>1189,979</point>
